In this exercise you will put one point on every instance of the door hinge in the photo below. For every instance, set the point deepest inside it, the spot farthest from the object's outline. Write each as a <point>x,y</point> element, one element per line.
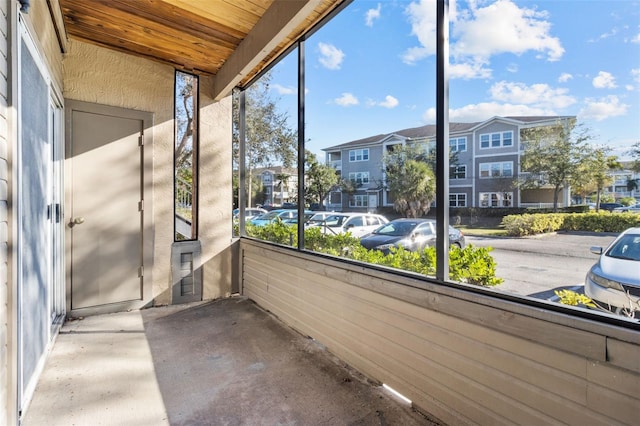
<point>141,140</point>
<point>141,205</point>
<point>141,271</point>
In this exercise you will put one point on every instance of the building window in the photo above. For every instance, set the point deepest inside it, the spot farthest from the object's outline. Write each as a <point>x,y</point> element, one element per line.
<point>496,140</point>
<point>496,199</point>
<point>359,155</point>
<point>359,178</point>
<point>359,201</point>
<point>458,144</point>
<point>491,170</point>
<point>335,198</point>
<point>185,160</point>
<point>458,172</point>
<point>457,200</point>
<point>507,138</point>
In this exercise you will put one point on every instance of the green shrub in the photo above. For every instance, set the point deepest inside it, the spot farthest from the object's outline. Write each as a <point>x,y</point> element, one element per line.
<point>602,221</point>
<point>469,265</point>
<point>627,201</point>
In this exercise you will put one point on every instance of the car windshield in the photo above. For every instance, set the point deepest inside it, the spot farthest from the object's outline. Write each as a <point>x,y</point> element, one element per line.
<point>396,228</point>
<point>627,247</point>
<point>335,220</point>
<point>270,215</point>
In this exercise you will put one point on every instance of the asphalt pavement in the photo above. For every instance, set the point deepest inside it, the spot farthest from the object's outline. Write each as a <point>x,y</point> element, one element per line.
<point>538,265</point>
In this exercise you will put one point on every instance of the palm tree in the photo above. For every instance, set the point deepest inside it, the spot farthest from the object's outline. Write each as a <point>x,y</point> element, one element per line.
<point>283,180</point>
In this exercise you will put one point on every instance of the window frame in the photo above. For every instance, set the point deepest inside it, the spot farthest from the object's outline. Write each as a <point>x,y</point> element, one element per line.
<point>459,196</point>
<point>353,177</point>
<point>456,142</point>
<point>353,200</point>
<point>361,153</point>
<point>493,166</point>
<point>495,199</point>
<point>495,140</point>
<point>455,171</point>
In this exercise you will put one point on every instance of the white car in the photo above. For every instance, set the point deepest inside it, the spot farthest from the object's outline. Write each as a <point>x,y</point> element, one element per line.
<point>249,212</point>
<point>358,224</point>
<point>633,209</point>
<point>614,281</point>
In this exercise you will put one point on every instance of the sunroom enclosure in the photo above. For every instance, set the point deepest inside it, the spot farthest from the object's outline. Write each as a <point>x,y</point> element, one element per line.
<point>465,354</point>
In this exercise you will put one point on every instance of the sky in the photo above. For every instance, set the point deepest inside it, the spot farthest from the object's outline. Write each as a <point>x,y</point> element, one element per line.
<point>371,70</point>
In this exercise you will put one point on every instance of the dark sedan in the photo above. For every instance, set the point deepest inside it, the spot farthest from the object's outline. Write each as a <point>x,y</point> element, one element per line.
<point>411,234</point>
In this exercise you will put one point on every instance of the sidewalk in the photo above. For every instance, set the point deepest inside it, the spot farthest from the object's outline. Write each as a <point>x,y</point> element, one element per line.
<point>225,362</point>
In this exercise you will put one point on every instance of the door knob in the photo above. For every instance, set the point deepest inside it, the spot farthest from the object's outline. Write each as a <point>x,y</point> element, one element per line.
<point>78,220</point>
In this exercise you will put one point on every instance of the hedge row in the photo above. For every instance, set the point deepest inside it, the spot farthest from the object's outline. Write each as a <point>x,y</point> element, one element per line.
<point>471,265</point>
<point>603,221</point>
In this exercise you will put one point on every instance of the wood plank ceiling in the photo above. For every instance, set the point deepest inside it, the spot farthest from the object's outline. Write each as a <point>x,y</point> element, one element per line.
<point>197,36</point>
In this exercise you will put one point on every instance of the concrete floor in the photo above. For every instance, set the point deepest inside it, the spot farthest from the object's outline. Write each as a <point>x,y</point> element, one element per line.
<point>225,362</point>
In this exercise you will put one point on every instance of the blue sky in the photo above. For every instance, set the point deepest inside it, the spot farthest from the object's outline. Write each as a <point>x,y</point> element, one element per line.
<point>372,69</point>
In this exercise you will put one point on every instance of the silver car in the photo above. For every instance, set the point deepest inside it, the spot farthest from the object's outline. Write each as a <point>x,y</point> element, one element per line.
<point>358,224</point>
<point>614,281</point>
<point>633,209</point>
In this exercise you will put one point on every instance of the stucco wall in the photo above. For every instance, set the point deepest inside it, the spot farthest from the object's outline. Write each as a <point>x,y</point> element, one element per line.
<point>42,27</point>
<point>98,75</point>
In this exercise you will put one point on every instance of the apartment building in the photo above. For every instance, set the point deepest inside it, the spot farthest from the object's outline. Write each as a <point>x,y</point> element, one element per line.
<point>485,174</point>
<point>625,182</point>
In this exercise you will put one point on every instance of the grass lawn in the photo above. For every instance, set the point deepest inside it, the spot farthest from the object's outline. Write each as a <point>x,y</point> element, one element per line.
<point>482,231</point>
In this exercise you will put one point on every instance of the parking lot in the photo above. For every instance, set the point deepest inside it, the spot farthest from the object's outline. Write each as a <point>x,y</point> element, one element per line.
<point>536,266</point>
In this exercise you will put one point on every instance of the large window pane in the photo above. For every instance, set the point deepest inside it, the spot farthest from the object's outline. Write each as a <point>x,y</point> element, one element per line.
<point>186,156</point>
<point>271,152</point>
<point>540,121</point>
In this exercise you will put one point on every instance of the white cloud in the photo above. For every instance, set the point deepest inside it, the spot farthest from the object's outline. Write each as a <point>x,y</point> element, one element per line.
<point>503,27</point>
<point>422,17</point>
<point>330,56</point>
<point>347,99</point>
<point>483,111</point>
<point>540,95</point>
<point>513,67</point>
<point>372,14</point>
<point>564,77</point>
<point>604,80</point>
<point>281,90</point>
<point>469,70</point>
<point>481,32</point>
<point>389,102</point>
<point>636,39</point>
<point>600,109</point>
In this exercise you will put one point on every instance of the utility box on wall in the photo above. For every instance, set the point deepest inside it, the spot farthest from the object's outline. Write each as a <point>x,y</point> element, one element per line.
<point>186,272</point>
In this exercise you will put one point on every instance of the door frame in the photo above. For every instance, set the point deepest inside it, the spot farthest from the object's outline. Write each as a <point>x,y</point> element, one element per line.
<point>146,175</point>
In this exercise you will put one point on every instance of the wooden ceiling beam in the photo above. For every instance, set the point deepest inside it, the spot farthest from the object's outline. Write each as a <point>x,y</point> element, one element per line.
<point>276,24</point>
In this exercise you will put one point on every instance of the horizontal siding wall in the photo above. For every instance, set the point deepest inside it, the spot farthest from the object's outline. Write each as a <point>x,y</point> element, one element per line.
<point>462,357</point>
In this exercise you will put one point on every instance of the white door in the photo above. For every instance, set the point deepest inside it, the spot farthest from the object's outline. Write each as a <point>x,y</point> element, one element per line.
<point>373,202</point>
<point>106,216</point>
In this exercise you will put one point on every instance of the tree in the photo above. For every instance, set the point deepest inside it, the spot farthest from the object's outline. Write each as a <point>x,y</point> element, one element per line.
<point>320,179</point>
<point>283,183</point>
<point>552,155</point>
<point>595,168</point>
<point>269,141</point>
<point>634,152</point>
<point>410,179</point>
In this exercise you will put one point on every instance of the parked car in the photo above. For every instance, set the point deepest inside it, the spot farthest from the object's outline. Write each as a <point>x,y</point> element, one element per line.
<point>358,224</point>
<point>633,209</point>
<point>249,212</point>
<point>273,216</point>
<point>614,281</point>
<point>318,218</point>
<point>411,234</point>
<point>610,206</point>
